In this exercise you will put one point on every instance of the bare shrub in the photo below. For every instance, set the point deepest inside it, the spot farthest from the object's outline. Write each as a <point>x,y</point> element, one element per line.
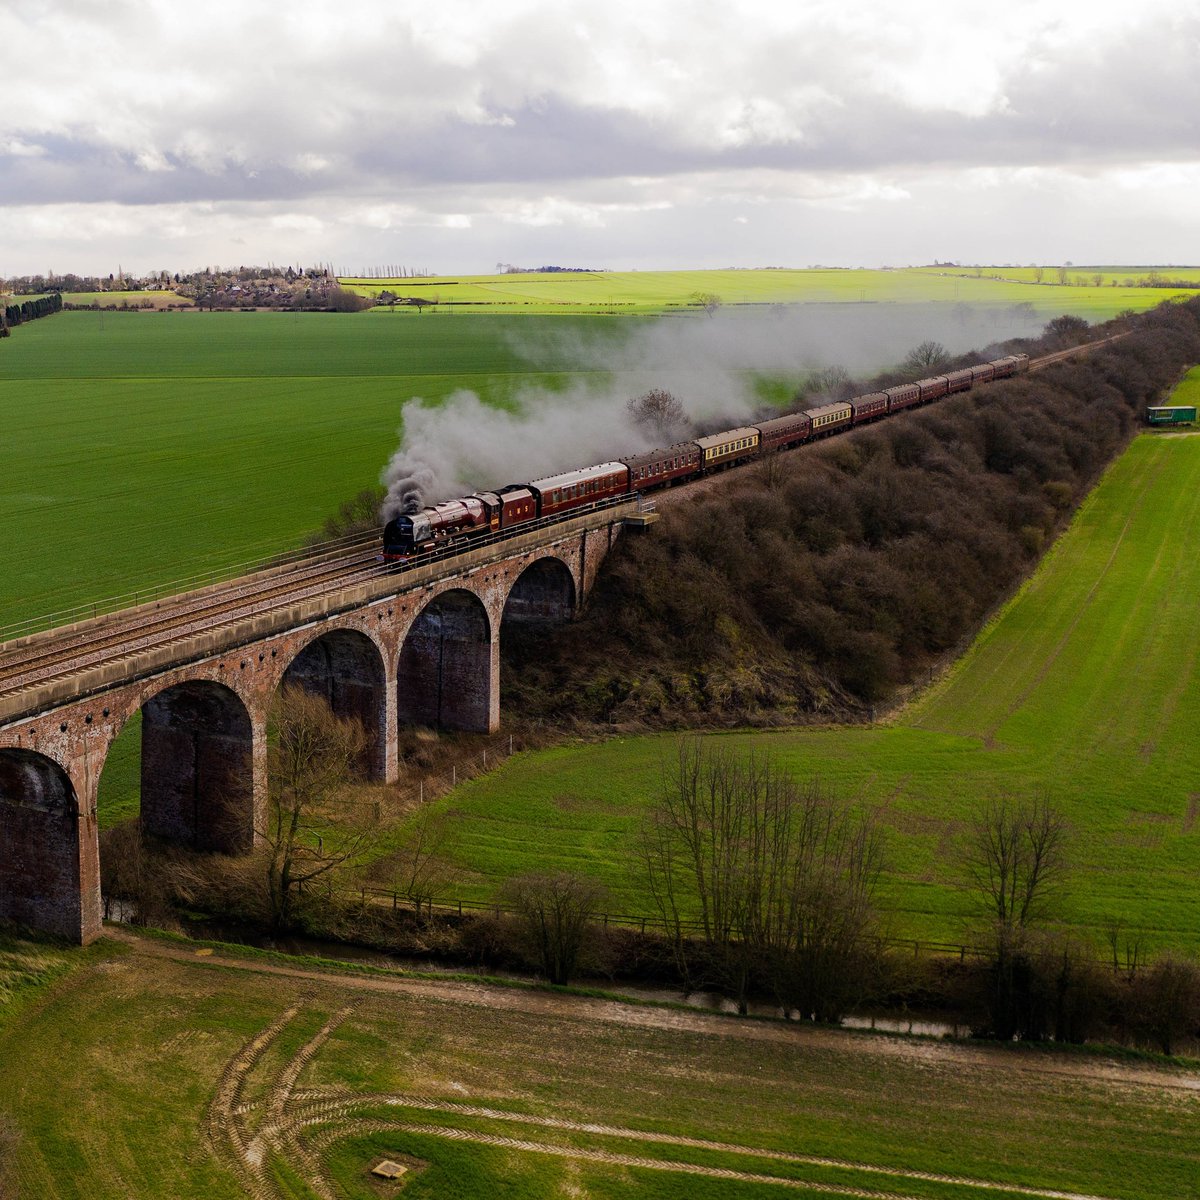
<point>554,913</point>
<point>1163,1002</point>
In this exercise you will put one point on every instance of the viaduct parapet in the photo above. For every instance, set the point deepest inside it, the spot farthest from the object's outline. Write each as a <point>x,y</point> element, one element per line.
<point>421,648</point>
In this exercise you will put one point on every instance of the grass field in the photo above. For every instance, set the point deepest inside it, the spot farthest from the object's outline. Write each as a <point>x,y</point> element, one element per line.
<point>201,1076</point>
<point>1084,687</point>
<point>657,291</point>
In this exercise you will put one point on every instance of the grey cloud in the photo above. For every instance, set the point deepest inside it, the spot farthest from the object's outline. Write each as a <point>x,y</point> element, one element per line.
<point>386,115</point>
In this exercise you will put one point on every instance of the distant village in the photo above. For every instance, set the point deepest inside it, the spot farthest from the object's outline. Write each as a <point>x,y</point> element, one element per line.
<point>292,288</point>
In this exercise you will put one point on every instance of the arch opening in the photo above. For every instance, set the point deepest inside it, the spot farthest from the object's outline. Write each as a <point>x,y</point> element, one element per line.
<point>197,769</point>
<point>40,875</point>
<point>344,667</point>
<point>544,593</point>
<point>542,596</point>
<point>445,678</point>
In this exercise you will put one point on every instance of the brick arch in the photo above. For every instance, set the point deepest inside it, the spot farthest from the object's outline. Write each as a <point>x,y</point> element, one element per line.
<point>40,859</point>
<point>446,671</point>
<point>198,766</point>
<point>544,592</point>
<point>347,667</point>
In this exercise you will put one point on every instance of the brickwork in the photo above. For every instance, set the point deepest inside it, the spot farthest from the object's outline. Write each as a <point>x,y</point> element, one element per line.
<point>197,767</point>
<point>427,654</point>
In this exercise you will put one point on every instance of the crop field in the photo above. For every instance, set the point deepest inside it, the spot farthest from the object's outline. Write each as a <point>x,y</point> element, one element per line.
<point>658,291</point>
<point>1081,276</point>
<point>197,1074</point>
<point>1085,687</point>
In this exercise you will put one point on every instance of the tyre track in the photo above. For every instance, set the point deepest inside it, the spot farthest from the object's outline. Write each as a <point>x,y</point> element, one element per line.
<point>291,1114</point>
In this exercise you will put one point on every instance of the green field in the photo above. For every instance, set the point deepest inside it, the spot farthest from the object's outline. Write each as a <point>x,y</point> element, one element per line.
<point>1085,686</point>
<point>658,291</point>
<point>1078,277</point>
<point>156,1069</point>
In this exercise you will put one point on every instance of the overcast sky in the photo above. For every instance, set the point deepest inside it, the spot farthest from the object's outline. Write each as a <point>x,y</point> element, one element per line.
<point>455,134</point>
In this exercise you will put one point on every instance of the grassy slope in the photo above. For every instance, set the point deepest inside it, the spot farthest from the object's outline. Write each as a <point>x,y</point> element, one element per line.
<point>653,291</point>
<point>1085,686</point>
<point>148,1036</point>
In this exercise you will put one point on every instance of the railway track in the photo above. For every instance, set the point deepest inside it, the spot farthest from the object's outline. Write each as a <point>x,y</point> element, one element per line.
<point>57,654</point>
<point>46,658</point>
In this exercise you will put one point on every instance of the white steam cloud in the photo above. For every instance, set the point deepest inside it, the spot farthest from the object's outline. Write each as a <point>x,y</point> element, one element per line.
<point>710,363</point>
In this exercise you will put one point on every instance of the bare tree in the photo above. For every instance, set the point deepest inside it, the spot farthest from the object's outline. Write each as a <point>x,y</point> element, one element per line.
<point>927,356</point>
<point>829,383</point>
<point>709,301</point>
<point>1015,858</point>
<point>312,755</point>
<point>777,878</point>
<point>554,913</point>
<point>133,874</point>
<point>1015,861</point>
<point>660,413</point>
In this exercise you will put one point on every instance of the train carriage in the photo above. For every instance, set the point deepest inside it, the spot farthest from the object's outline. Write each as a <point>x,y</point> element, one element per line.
<point>573,489</point>
<point>1009,365</point>
<point>829,418</point>
<point>867,408</point>
<point>933,389</point>
<point>983,373</point>
<point>781,432</point>
<point>903,395</point>
<point>732,446</point>
<point>657,468</point>
<point>959,381</point>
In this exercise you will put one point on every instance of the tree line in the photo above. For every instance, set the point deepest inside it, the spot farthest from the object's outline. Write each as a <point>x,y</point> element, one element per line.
<point>28,310</point>
<point>765,884</point>
<point>815,585</point>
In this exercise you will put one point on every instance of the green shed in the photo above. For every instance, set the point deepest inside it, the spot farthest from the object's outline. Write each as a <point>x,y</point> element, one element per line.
<point>1178,414</point>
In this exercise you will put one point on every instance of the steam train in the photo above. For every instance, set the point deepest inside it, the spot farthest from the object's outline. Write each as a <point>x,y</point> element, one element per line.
<point>441,525</point>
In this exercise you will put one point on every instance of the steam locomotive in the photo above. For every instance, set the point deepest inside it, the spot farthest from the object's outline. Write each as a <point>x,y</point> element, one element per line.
<point>441,525</point>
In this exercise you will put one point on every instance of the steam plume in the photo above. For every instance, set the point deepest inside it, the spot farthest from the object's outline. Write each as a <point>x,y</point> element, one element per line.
<point>464,445</point>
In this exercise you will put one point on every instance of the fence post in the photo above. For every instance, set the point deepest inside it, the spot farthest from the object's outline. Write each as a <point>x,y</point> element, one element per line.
<point>485,760</point>
<point>421,785</point>
<point>454,775</point>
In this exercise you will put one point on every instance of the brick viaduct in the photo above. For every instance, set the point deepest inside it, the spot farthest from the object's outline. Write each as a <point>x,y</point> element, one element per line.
<point>418,649</point>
